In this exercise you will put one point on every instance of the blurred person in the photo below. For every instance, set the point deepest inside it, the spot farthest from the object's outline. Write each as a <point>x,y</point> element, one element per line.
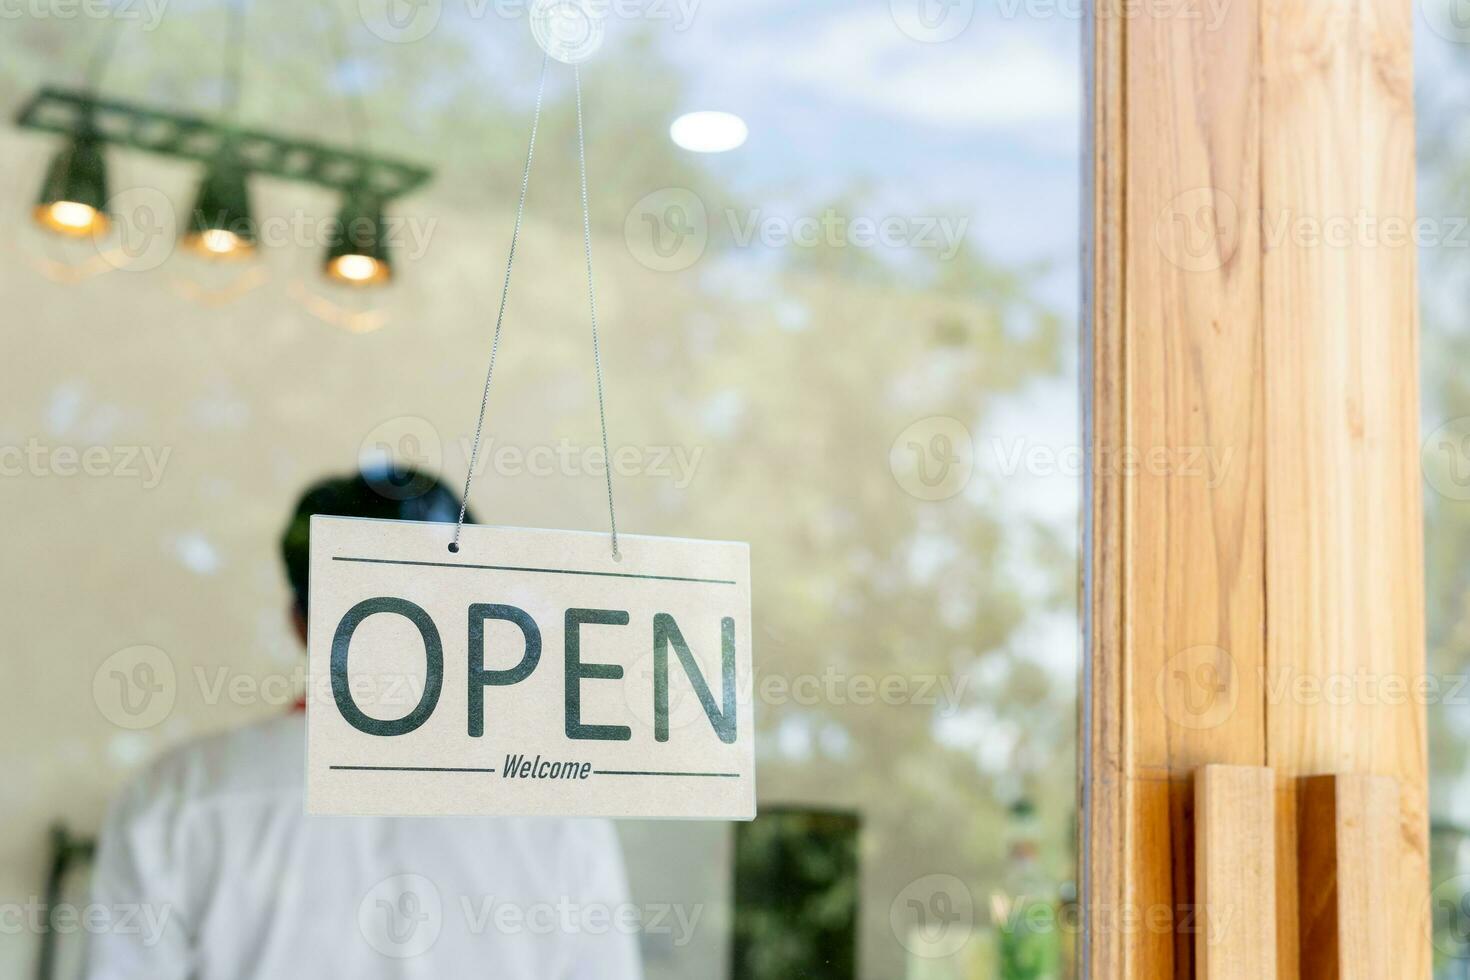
<point>234,880</point>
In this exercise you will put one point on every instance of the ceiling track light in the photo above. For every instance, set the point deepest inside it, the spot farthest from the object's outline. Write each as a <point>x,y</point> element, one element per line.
<point>221,224</point>
<point>358,252</point>
<point>73,198</point>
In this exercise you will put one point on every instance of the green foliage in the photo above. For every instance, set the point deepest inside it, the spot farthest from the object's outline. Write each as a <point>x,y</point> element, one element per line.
<point>796,896</point>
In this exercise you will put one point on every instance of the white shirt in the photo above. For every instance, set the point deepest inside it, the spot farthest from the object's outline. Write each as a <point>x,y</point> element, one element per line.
<point>212,870</point>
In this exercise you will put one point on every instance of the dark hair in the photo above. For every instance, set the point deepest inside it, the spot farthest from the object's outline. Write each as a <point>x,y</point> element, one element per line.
<point>390,493</point>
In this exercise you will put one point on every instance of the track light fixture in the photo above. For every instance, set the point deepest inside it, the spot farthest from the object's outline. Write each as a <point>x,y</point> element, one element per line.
<point>221,225</point>
<point>73,198</point>
<point>358,253</point>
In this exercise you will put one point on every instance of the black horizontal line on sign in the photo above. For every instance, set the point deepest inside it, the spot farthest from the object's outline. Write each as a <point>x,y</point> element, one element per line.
<point>413,769</point>
<point>544,571</point>
<point>645,772</point>
<point>595,772</point>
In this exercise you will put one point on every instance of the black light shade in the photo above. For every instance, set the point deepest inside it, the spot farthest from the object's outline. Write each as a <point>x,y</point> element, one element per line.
<point>358,254</point>
<point>221,225</point>
<point>73,200</point>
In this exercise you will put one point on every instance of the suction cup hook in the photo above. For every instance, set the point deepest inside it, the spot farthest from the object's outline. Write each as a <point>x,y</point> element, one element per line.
<point>567,30</point>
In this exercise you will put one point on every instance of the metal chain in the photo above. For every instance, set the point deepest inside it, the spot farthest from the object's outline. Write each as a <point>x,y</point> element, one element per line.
<point>515,236</point>
<point>612,514</point>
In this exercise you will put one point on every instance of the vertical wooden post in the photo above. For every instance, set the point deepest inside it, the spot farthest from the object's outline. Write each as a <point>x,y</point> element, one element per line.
<point>1344,567</point>
<point>1174,406</point>
<point>1252,526</point>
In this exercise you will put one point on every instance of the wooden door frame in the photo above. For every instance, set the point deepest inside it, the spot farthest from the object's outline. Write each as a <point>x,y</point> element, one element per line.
<point>1221,315</point>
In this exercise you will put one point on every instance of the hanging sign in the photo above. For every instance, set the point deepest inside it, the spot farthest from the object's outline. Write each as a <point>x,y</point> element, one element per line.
<point>527,673</point>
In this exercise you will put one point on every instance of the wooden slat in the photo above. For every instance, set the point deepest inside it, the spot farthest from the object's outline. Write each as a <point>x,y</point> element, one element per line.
<point>1235,873</point>
<point>1174,544</point>
<point>1347,828</point>
<point>1345,642</point>
<point>1104,790</point>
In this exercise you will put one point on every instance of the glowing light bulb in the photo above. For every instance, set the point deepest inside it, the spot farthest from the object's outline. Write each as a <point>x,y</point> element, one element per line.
<point>71,218</point>
<point>357,269</point>
<point>357,255</point>
<point>220,242</point>
<point>70,214</point>
<point>220,226</point>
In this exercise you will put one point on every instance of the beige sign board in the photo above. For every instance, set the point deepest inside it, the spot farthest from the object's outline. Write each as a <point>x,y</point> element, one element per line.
<point>528,673</point>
